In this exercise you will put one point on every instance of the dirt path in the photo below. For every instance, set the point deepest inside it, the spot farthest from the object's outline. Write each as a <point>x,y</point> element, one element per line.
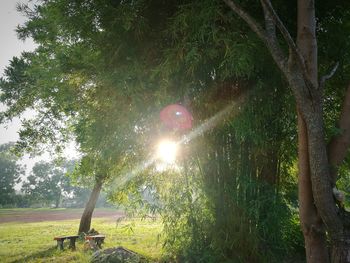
<point>54,215</point>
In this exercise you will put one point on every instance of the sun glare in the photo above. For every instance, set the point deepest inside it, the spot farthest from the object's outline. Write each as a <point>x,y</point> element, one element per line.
<point>167,151</point>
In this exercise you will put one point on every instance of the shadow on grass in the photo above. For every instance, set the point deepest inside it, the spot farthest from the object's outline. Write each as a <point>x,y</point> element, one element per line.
<point>38,255</point>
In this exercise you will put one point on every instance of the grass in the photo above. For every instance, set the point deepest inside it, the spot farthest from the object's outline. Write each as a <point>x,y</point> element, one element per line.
<point>33,242</point>
<point>5,211</point>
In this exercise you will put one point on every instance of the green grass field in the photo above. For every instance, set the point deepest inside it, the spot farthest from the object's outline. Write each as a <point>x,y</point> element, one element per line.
<point>33,242</point>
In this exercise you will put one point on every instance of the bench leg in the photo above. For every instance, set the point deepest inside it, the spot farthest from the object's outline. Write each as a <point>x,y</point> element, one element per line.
<point>60,244</point>
<point>72,243</point>
<point>99,242</point>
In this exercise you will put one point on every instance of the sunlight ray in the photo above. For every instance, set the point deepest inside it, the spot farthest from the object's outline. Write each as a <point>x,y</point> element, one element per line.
<point>201,129</point>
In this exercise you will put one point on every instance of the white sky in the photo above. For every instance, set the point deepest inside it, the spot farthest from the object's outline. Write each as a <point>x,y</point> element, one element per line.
<point>10,46</point>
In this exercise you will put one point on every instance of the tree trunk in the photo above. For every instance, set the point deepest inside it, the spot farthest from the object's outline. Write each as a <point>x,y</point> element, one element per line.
<point>312,111</point>
<point>322,192</point>
<point>341,245</point>
<point>301,73</point>
<point>341,250</point>
<point>57,202</point>
<point>311,223</point>
<point>85,221</point>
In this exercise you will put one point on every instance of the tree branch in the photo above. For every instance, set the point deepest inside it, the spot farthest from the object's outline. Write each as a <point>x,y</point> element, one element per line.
<point>339,145</point>
<point>328,76</point>
<point>267,6</point>
<point>248,19</point>
<point>265,36</point>
<point>272,40</point>
<point>287,37</point>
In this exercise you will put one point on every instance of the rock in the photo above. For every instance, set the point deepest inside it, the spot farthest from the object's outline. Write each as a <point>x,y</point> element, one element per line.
<point>117,255</point>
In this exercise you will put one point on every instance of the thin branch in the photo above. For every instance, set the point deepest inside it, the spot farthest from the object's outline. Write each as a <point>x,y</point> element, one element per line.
<point>287,37</point>
<point>270,27</point>
<point>273,46</point>
<point>328,76</point>
<point>267,6</point>
<point>248,19</point>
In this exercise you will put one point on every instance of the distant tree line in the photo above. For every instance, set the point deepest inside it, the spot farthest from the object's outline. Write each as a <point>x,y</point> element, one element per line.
<point>48,184</point>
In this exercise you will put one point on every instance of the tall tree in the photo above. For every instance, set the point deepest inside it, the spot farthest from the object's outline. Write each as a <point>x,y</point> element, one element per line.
<point>87,78</point>
<point>10,175</point>
<point>318,209</point>
<point>47,184</point>
<point>85,220</point>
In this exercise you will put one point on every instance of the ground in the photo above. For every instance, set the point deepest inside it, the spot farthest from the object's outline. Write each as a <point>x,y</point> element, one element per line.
<point>26,235</point>
<point>44,214</point>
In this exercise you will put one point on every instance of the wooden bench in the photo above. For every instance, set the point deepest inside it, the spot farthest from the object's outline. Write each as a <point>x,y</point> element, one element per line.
<point>95,240</point>
<point>61,239</point>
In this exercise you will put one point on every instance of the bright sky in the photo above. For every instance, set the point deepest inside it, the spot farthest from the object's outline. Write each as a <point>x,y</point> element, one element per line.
<point>10,46</point>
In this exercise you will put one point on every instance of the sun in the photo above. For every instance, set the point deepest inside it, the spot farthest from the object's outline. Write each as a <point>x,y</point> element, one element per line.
<point>167,151</point>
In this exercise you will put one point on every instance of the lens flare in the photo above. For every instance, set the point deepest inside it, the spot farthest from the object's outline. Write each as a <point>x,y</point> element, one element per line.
<point>167,151</point>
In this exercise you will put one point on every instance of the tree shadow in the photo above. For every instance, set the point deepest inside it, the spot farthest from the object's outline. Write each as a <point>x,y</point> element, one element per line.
<point>37,255</point>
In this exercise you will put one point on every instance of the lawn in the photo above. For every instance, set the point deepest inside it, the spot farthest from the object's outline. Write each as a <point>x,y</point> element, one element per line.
<point>33,242</point>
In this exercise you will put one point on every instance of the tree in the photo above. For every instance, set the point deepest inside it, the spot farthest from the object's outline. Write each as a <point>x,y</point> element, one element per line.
<point>77,93</point>
<point>10,175</point>
<point>318,209</point>
<point>47,184</point>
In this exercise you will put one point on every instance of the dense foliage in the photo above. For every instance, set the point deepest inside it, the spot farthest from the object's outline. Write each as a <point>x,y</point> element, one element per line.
<point>102,72</point>
<point>49,185</point>
<point>10,175</point>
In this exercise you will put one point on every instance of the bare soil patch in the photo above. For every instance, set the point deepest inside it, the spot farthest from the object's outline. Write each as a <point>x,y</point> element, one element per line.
<point>55,214</point>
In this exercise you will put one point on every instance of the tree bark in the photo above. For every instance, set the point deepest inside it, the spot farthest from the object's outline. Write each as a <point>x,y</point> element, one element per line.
<point>322,192</point>
<point>318,158</point>
<point>341,250</point>
<point>85,221</point>
<point>311,223</point>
